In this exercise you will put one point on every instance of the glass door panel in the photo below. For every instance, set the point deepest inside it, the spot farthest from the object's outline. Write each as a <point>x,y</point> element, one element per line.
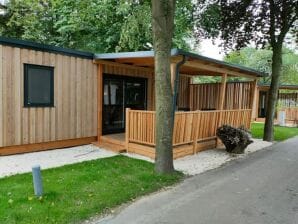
<point>113,116</point>
<point>135,95</point>
<point>119,93</point>
<point>262,104</point>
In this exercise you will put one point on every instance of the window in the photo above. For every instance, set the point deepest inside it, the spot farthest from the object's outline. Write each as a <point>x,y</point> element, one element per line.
<point>38,86</point>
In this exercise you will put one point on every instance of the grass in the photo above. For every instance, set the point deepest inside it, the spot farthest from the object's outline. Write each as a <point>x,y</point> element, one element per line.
<point>280,133</point>
<point>74,193</point>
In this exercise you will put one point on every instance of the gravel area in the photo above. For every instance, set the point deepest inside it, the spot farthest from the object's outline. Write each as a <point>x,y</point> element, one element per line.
<point>22,163</point>
<point>190,165</point>
<point>209,159</point>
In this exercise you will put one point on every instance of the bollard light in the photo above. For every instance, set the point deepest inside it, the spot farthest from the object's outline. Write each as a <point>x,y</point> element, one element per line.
<point>37,181</point>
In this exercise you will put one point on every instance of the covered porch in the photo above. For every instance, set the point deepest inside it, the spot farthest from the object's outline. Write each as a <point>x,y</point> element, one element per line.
<point>200,107</point>
<point>287,102</point>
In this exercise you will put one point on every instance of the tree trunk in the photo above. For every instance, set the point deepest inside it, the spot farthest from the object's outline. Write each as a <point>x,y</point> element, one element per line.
<point>163,27</point>
<point>273,93</point>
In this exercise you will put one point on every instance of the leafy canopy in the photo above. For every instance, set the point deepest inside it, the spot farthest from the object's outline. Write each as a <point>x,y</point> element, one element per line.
<point>92,25</point>
<point>260,59</point>
<point>240,23</point>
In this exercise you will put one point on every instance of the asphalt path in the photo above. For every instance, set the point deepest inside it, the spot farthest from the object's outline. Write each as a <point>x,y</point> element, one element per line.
<point>259,189</point>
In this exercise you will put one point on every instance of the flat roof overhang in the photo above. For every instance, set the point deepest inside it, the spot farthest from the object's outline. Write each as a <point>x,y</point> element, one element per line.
<point>281,87</point>
<point>195,64</point>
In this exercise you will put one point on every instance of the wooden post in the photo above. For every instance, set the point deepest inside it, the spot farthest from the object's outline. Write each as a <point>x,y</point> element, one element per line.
<point>127,123</point>
<point>253,98</point>
<point>222,100</point>
<point>173,75</point>
<point>196,128</point>
<point>99,100</point>
<point>222,91</point>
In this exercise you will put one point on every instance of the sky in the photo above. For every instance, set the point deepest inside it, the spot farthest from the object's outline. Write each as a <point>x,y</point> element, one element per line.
<point>209,49</point>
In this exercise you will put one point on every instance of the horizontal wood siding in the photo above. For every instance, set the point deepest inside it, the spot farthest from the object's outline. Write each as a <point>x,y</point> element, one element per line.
<point>75,98</point>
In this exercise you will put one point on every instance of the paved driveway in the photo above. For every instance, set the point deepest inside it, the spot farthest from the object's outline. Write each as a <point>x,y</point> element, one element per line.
<point>261,189</point>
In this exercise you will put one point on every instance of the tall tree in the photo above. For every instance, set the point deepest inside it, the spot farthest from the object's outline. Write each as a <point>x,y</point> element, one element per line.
<point>262,22</point>
<point>91,25</point>
<point>163,12</point>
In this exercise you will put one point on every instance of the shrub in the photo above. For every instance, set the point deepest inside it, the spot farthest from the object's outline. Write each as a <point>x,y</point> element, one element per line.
<point>235,139</point>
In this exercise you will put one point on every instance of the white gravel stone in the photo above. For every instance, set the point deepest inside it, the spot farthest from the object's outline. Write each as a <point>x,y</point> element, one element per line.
<point>190,165</point>
<point>22,163</point>
<point>209,159</point>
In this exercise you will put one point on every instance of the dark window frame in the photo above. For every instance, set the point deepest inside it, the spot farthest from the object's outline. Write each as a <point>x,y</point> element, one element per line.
<point>26,89</point>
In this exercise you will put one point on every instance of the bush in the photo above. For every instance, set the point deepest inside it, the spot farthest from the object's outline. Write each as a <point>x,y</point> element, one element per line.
<point>235,139</point>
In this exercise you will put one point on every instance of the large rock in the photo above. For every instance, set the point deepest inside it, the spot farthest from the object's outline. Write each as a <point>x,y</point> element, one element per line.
<point>235,139</point>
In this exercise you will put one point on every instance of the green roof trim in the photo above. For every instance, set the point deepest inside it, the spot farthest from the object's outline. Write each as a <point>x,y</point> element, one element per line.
<point>43,47</point>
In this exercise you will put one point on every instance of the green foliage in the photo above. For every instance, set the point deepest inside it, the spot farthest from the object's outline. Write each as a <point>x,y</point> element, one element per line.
<point>91,25</point>
<point>76,192</point>
<point>206,79</point>
<point>260,59</point>
<point>239,23</point>
<point>280,133</point>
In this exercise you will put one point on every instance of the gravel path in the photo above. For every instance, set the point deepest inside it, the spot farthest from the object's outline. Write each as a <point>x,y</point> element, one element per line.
<point>209,159</point>
<point>190,165</point>
<point>14,164</point>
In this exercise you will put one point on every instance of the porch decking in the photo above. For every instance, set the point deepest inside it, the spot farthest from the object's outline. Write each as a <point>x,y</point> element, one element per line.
<point>114,142</point>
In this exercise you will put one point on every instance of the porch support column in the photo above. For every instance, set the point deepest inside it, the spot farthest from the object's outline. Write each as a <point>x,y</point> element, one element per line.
<point>222,91</point>
<point>99,100</point>
<point>254,100</point>
<point>173,76</point>
<point>221,100</point>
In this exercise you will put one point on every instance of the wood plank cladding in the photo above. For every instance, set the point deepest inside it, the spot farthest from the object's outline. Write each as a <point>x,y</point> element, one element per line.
<point>288,99</point>
<point>75,98</point>
<point>207,96</point>
<point>183,92</point>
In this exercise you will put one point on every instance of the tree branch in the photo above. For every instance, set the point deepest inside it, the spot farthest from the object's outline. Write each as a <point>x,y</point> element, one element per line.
<point>272,23</point>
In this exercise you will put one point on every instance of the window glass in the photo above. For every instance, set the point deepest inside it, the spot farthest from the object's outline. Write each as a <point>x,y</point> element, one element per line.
<point>39,85</point>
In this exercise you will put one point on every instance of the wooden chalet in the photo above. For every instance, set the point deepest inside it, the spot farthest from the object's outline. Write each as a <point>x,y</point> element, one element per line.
<point>53,97</point>
<point>287,102</point>
<point>126,116</point>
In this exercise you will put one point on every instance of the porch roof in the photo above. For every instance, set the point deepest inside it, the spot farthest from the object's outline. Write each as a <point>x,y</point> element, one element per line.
<point>284,86</point>
<point>195,64</point>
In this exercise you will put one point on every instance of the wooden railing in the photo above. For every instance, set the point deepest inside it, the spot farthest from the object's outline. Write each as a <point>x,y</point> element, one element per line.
<point>140,126</point>
<point>189,127</point>
<point>291,113</point>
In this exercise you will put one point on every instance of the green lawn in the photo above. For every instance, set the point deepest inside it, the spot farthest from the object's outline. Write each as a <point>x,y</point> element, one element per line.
<point>76,192</point>
<point>280,133</point>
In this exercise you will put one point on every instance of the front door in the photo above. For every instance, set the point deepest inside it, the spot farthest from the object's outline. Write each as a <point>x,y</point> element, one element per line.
<point>262,104</point>
<point>119,93</point>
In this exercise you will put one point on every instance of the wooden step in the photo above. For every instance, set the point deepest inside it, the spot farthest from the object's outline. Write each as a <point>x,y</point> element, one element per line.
<point>110,146</point>
<point>110,140</point>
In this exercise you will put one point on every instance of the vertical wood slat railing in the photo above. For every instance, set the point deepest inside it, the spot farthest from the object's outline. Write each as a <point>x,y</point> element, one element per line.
<point>291,113</point>
<point>189,127</point>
